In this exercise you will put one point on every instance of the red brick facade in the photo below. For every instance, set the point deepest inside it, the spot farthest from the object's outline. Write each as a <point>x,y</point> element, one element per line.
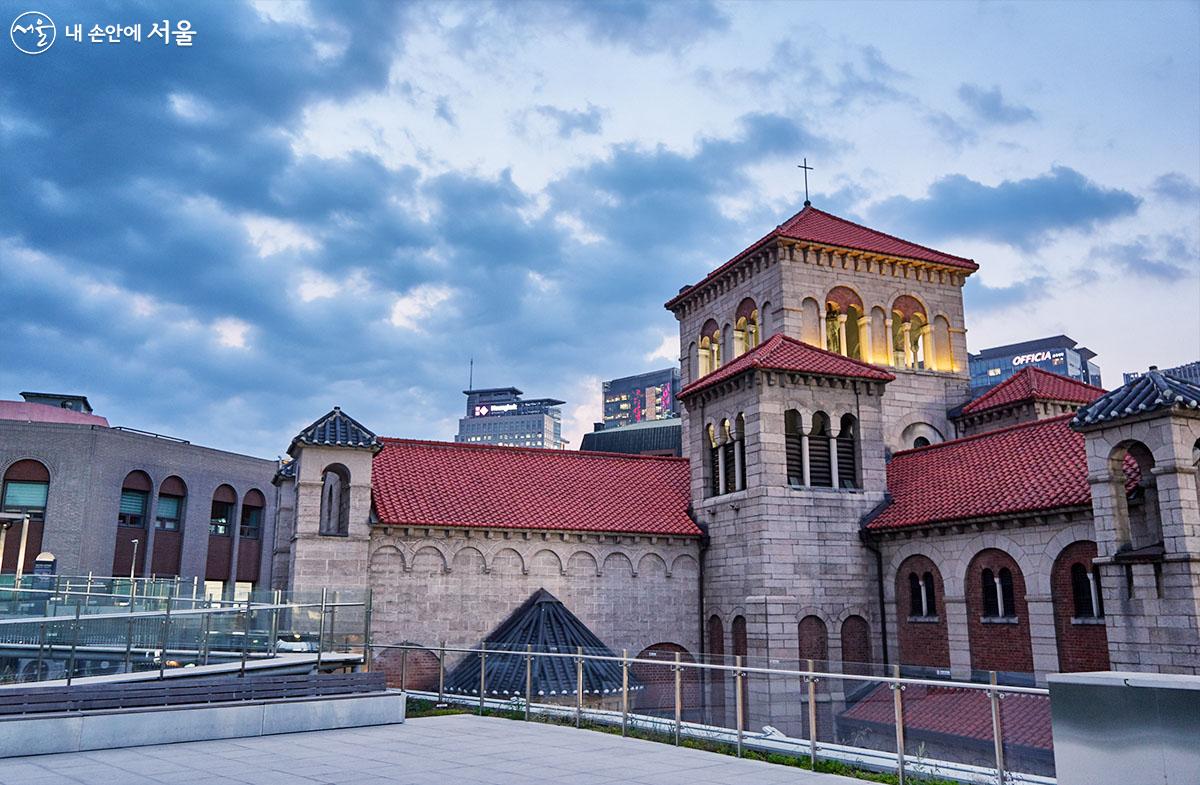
<point>814,640</point>
<point>1083,644</point>
<point>716,656</point>
<point>416,670</point>
<point>856,645</point>
<point>1002,644</point>
<point>922,643</point>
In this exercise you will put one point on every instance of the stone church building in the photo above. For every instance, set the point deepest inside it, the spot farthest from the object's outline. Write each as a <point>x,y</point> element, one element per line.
<point>840,499</point>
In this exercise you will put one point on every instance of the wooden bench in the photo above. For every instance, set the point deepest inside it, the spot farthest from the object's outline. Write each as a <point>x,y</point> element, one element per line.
<point>185,691</point>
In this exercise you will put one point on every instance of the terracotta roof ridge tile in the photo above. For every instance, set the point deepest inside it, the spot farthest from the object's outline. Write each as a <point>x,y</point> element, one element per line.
<point>856,225</point>
<point>983,435</point>
<point>540,451</point>
<point>1039,381</point>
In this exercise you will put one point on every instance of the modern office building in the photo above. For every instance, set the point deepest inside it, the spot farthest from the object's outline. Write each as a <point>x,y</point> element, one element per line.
<point>645,396</point>
<point>118,501</point>
<point>1189,372</point>
<point>1057,354</point>
<point>497,415</point>
<point>649,437</point>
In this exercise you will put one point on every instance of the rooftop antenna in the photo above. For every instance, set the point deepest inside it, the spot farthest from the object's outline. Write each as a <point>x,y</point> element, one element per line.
<point>806,169</point>
<point>471,375</point>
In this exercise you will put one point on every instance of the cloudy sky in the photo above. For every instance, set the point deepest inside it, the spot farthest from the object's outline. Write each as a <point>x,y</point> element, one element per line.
<point>326,203</point>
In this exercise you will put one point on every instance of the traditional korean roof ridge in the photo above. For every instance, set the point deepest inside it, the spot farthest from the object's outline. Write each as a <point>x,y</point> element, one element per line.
<point>544,624</point>
<point>1152,391</point>
<point>783,353</point>
<point>1033,384</point>
<point>1020,469</point>
<point>447,484</point>
<point>817,226</point>
<point>337,429</point>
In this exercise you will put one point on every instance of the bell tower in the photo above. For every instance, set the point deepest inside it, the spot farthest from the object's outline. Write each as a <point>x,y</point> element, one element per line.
<point>1143,444</point>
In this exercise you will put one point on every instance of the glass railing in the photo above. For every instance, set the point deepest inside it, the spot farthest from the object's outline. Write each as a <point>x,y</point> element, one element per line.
<point>817,714</point>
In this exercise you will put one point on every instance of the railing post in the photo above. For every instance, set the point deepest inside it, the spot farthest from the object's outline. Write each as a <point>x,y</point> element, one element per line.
<point>528,678</point>
<point>737,694</point>
<point>997,729</point>
<point>74,644</point>
<point>678,696</point>
<point>812,714</point>
<point>367,610</point>
<point>442,672</point>
<point>624,690</point>
<point>273,643</point>
<point>166,635</point>
<point>333,622</point>
<point>321,628</point>
<point>403,666</point>
<point>246,638</point>
<point>578,685</point>
<point>482,678</point>
<point>897,697</point>
<point>41,642</point>
<point>204,642</point>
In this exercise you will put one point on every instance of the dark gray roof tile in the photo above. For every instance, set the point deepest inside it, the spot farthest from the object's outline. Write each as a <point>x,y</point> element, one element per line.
<point>1150,392</point>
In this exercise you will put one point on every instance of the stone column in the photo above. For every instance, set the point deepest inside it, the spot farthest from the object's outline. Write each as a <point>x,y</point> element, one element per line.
<point>739,460</point>
<point>720,468</point>
<point>864,339</point>
<point>927,353</point>
<point>843,344</point>
<point>833,462</point>
<point>824,333</point>
<point>891,342</point>
<point>956,630</point>
<point>906,337</point>
<point>804,455</point>
<point>1042,636</point>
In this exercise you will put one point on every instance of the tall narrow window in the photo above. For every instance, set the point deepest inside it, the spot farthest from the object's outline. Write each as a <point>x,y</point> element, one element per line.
<point>1081,591</point>
<point>221,517</point>
<point>819,453</point>
<point>1097,592</point>
<point>335,501</point>
<point>927,588</point>
<point>1008,607</point>
<point>168,513</point>
<point>252,513</point>
<point>916,595</point>
<point>847,452</point>
<point>135,497</point>
<point>991,595</point>
<point>793,446</point>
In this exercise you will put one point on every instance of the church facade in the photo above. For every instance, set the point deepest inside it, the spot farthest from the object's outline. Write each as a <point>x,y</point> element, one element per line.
<point>840,498</point>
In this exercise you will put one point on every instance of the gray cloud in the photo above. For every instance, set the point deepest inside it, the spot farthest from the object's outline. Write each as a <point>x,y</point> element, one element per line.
<point>989,105</point>
<point>573,121</point>
<point>1176,187</point>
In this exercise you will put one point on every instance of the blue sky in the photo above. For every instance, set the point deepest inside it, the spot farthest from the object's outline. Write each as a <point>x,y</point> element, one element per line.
<point>335,203</point>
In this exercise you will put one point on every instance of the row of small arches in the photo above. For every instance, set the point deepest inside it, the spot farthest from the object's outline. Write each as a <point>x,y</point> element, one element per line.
<point>430,559</point>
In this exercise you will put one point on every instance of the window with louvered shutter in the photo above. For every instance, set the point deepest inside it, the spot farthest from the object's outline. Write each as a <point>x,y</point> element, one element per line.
<point>793,448</point>
<point>820,471</point>
<point>730,469</point>
<point>20,496</point>
<point>714,480</point>
<point>168,513</point>
<point>132,511</point>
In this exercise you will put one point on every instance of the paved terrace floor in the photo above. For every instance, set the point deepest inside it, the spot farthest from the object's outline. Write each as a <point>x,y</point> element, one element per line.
<point>443,750</point>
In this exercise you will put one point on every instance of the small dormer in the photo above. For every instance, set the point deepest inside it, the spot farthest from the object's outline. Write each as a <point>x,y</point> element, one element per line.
<point>1029,395</point>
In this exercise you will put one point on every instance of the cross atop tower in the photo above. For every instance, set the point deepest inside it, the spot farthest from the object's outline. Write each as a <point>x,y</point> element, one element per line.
<point>806,169</point>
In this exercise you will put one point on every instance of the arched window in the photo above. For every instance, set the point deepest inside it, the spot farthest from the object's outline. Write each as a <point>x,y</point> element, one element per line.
<point>168,513</point>
<point>1008,608</point>
<point>856,644</point>
<point>991,597</point>
<point>1139,524</point>
<point>820,458</point>
<point>920,441</point>
<point>814,640</point>
<point>845,328</point>
<point>930,595</point>
<point>847,452</point>
<point>709,358</point>
<point>26,488</point>
<point>794,447</point>
<point>335,500</point>
<point>909,328</point>
<point>223,503</point>
<point>998,601</point>
<point>252,513</point>
<point>716,656</point>
<point>739,428</point>
<point>1081,592</point>
<point>135,499</point>
<point>714,462</point>
<point>922,597</point>
<point>944,348</point>
<point>729,454</point>
<point>746,332</point>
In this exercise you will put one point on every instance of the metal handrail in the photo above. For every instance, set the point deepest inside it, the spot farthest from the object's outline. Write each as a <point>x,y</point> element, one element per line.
<point>740,671</point>
<point>746,669</point>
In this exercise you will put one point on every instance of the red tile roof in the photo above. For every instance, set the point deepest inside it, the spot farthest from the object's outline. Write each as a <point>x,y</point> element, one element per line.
<point>1033,466</point>
<point>817,226</point>
<point>1030,384</point>
<point>423,483</point>
<point>964,713</point>
<point>781,353</point>
<point>40,412</point>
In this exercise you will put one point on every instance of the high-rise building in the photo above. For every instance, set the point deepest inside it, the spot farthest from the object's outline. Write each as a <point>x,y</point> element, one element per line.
<point>645,396</point>
<point>1057,354</point>
<point>497,415</point>
<point>1188,372</point>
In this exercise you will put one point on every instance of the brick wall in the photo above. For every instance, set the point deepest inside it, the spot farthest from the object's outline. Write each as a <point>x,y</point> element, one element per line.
<point>997,646</point>
<point>1081,646</point>
<point>814,640</point>
<point>856,643</point>
<point>922,643</point>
